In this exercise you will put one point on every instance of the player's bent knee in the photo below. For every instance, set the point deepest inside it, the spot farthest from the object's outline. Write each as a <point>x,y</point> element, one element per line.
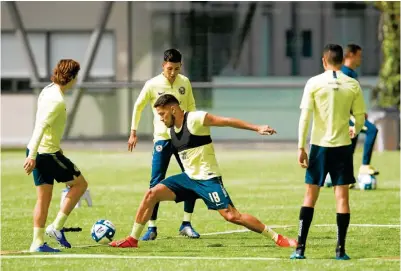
<point>78,182</point>
<point>230,216</point>
<point>151,195</point>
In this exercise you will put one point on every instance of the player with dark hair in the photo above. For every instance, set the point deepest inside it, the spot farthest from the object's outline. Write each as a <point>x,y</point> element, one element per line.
<point>352,60</point>
<point>46,160</point>
<point>330,97</point>
<point>170,81</point>
<point>190,135</point>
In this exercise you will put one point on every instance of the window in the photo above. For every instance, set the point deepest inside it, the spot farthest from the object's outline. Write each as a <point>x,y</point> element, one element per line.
<point>6,84</point>
<point>74,45</point>
<point>48,48</point>
<point>289,43</point>
<point>15,85</point>
<point>13,59</point>
<point>203,35</point>
<point>349,6</point>
<point>307,43</point>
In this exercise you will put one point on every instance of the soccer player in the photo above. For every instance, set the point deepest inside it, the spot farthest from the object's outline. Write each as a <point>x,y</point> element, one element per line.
<point>330,97</point>
<point>352,60</point>
<point>190,135</point>
<point>45,158</point>
<point>170,81</point>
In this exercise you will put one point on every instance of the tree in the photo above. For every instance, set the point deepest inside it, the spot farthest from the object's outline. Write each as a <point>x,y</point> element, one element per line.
<point>387,92</point>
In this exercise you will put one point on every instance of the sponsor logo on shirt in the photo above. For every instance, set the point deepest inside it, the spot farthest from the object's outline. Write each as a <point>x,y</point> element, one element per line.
<point>181,90</point>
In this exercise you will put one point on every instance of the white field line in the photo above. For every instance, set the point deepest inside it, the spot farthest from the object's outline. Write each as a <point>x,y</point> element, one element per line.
<point>319,225</point>
<point>230,232</point>
<point>108,256</point>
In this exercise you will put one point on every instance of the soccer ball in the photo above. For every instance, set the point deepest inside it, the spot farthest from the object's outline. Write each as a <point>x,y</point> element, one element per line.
<point>367,182</point>
<point>103,231</point>
<point>328,182</point>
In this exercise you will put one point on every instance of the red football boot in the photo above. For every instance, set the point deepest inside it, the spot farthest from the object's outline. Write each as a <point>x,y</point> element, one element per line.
<point>283,241</point>
<point>125,243</point>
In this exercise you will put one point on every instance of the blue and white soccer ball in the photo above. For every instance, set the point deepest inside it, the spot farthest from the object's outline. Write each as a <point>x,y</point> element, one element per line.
<point>367,182</point>
<point>328,182</point>
<point>103,231</point>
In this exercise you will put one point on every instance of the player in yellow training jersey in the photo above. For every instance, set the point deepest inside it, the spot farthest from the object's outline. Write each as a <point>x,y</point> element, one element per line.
<point>190,135</point>
<point>46,160</point>
<point>330,97</point>
<point>170,81</point>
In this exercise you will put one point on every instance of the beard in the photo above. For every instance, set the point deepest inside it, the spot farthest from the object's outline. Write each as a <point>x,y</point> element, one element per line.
<point>171,124</point>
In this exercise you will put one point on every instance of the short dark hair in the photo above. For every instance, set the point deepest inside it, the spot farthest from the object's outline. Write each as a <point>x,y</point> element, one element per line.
<point>334,54</point>
<point>166,99</point>
<point>172,55</point>
<point>352,49</point>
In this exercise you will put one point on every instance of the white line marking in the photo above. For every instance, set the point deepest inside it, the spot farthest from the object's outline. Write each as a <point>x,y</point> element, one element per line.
<point>240,231</point>
<point>319,225</point>
<point>363,225</point>
<point>92,256</point>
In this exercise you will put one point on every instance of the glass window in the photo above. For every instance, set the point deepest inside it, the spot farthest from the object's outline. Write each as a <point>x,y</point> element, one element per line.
<point>307,43</point>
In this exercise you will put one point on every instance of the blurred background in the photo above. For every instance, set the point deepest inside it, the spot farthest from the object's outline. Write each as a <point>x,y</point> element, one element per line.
<point>245,59</point>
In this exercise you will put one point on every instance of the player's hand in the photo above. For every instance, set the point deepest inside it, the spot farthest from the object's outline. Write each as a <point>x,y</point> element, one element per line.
<point>29,165</point>
<point>266,130</point>
<point>132,141</point>
<point>352,132</point>
<point>303,158</point>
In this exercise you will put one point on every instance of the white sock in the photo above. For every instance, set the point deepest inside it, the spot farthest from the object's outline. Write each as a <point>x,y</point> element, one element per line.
<point>137,230</point>
<point>187,217</point>
<point>60,220</point>
<point>270,233</point>
<point>152,223</point>
<point>38,238</point>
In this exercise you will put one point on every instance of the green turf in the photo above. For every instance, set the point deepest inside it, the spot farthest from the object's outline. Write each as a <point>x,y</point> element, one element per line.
<point>266,184</point>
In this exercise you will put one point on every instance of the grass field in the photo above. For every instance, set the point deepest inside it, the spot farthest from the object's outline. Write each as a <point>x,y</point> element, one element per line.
<point>266,184</point>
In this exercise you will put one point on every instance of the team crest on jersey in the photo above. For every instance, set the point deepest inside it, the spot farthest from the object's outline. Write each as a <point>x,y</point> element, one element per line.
<point>181,90</point>
<point>159,148</point>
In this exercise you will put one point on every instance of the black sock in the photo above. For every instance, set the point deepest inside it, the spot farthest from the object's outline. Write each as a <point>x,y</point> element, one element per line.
<point>342,227</point>
<point>155,210</point>
<point>186,223</point>
<point>305,219</point>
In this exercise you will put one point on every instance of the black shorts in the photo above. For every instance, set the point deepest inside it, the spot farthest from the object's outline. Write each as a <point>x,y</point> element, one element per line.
<point>337,161</point>
<point>53,166</point>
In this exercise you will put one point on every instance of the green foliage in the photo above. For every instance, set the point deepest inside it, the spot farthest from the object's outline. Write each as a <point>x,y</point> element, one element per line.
<point>387,92</point>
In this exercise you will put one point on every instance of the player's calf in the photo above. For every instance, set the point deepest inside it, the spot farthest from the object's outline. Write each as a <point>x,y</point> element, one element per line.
<point>252,223</point>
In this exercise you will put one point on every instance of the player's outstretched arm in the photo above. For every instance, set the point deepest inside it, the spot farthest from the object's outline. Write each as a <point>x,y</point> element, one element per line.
<point>140,104</point>
<point>212,120</point>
